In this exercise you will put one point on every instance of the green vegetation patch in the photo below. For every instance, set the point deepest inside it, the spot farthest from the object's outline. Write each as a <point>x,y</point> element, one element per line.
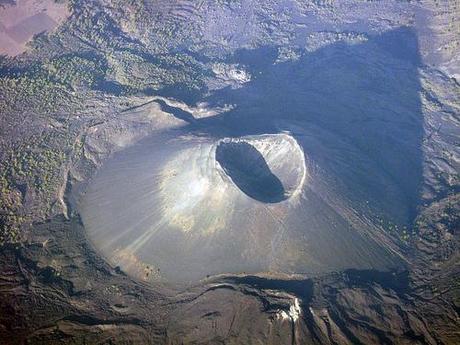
<point>75,71</point>
<point>31,174</point>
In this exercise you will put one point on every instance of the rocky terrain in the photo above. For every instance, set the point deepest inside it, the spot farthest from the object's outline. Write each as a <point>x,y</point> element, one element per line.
<point>370,92</point>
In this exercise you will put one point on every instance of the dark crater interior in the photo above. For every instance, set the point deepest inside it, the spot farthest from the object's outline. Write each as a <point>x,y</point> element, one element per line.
<point>247,168</point>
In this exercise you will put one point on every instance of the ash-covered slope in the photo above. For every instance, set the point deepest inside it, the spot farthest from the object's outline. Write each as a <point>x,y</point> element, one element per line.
<point>183,208</point>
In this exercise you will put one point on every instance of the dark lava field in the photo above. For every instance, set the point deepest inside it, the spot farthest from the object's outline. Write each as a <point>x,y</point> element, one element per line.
<point>229,172</point>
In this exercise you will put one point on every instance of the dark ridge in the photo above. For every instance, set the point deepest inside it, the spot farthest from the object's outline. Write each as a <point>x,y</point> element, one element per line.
<point>176,112</point>
<point>301,288</point>
<point>247,168</point>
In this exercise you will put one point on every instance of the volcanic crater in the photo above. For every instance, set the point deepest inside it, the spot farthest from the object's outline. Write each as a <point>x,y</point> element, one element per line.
<point>270,175</point>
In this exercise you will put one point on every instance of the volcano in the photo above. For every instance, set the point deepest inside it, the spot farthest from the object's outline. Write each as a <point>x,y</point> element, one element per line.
<point>178,209</point>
